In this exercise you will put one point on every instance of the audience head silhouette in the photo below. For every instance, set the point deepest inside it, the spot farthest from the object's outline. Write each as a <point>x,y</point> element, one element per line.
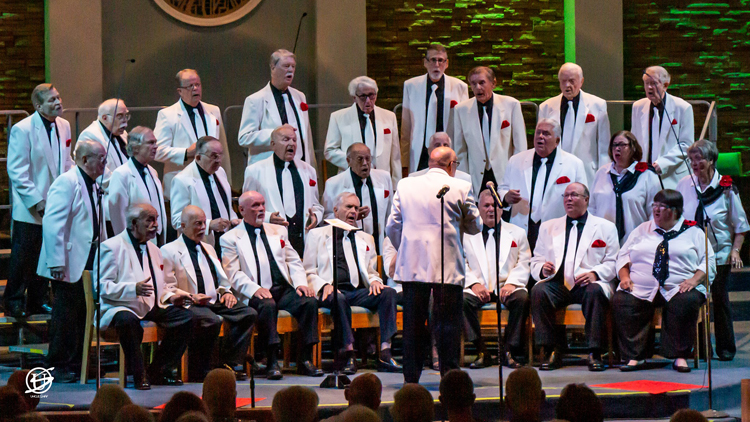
<point>413,403</point>
<point>109,399</point>
<point>295,404</point>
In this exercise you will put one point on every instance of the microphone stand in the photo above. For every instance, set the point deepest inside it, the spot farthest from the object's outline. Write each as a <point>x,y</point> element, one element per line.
<point>710,412</point>
<point>252,382</point>
<point>500,340</point>
<point>336,379</point>
<point>442,278</point>
<point>299,26</point>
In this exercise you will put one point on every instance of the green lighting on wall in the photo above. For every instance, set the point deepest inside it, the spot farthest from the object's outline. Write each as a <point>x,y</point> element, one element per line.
<point>569,18</point>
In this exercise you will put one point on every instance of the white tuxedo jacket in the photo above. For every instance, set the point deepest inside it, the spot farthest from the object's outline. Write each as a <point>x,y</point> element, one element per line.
<point>666,149</point>
<point>95,132</point>
<point>260,116</point>
<point>188,189</point>
<point>261,177</point>
<point>67,227</point>
<point>126,188</point>
<point>550,246</point>
<point>318,260</point>
<point>174,135</point>
<point>514,259</point>
<point>382,186</point>
<point>518,176</point>
<point>33,164</point>
<point>239,260</point>
<point>414,113</point>
<point>414,227</point>
<point>344,130</point>
<point>180,272</point>
<point>507,137</point>
<point>462,175</point>
<point>120,272</point>
<point>591,134</point>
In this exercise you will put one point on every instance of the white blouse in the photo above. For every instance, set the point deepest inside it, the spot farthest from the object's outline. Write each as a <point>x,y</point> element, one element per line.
<point>727,216</point>
<point>687,254</point>
<point>636,203</point>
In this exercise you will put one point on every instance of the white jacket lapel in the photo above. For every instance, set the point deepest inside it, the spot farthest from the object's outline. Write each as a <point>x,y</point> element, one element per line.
<point>43,141</point>
<point>583,112</point>
<point>361,257</point>
<point>506,239</point>
<point>245,252</point>
<point>589,230</point>
<point>558,244</point>
<point>271,110</point>
<point>187,125</point>
<point>477,243</point>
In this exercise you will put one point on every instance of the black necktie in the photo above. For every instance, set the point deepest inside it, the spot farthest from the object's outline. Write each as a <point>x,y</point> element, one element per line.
<point>661,260</point>
<point>144,251</point>
<point>625,184</point>
<point>705,199</point>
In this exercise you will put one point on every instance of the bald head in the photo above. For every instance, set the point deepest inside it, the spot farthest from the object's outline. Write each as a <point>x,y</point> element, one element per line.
<point>366,390</point>
<point>443,158</point>
<point>91,157</point>
<point>193,223</point>
<point>439,139</point>
<point>284,142</point>
<point>253,208</point>
<point>111,118</point>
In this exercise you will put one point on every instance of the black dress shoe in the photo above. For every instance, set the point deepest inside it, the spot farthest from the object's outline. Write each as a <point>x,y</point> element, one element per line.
<point>273,372</point>
<point>141,382</point>
<point>510,362</point>
<point>482,361</point>
<point>389,365</point>
<point>725,356</point>
<point>350,368</point>
<point>239,371</point>
<point>165,378</point>
<point>595,363</point>
<point>64,377</point>
<point>43,309</point>
<point>15,311</point>
<point>307,368</point>
<point>678,368</point>
<point>641,364</point>
<point>552,362</point>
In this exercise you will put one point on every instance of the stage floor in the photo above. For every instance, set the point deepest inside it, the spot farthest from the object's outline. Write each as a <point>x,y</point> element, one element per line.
<point>620,401</point>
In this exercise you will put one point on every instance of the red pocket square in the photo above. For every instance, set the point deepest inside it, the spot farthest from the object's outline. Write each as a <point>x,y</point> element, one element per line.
<point>454,103</point>
<point>674,121</point>
<point>161,267</point>
<point>368,249</point>
<point>282,243</point>
<point>590,118</point>
<point>504,124</point>
<point>514,244</point>
<point>67,143</point>
<point>217,122</point>
<point>598,244</point>
<point>387,131</point>
<point>386,194</point>
<point>562,180</point>
<point>313,182</point>
<point>303,106</point>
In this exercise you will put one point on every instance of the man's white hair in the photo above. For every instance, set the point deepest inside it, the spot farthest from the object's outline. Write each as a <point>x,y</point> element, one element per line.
<point>135,212</point>
<point>659,73</point>
<point>108,106</point>
<point>555,126</point>
<point>362,81</point>
<point>342,197</point>
<point>279,54</point>
<point>573,66</point>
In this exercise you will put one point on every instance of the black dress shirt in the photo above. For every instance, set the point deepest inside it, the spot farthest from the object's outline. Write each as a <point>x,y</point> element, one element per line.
<point>141,169</point>
<point>137,247</point>
<point>659,107</point>
<point>357,181</point>
<point>276,275</point>
<point>215,211</point>
<point>200,279</point>
<point>90,189</point>
<point>440,94</point>
<point>564,104</point>
<point>344,280</point>
<point>278,97</point>
<point>363,124</point>
<point>121,149</point>
<point>296,224</point>
<point>488,106</point>
<point>537,164</point>
<point>192,113</point>
<point>486,235</point>
<point>560,275</point>
<point>48,127</point>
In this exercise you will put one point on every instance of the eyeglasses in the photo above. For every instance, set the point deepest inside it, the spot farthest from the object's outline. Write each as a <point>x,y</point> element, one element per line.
<point>192,86</point>
<point>214,156</point>
<point>620,145</point>
<point>365,97</point>
<point>122,116</point>
<point>573,195</point>
<point>437,60</point>
<point>656,206</point>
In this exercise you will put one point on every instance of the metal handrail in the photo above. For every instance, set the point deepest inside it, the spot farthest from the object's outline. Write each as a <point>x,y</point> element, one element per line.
<point>531,104</point>
<point>711,117</point>
<point>80,110</point>
<point>10,114</point>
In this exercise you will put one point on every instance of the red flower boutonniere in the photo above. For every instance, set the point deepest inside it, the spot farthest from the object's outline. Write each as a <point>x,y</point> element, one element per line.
<point>368,249</point>
<point>690,223</point>
<point>454,103</point>
<point>313,183</point>
<point>303,107</point>
<point>386,194</point>
<point>590,118</point>
<point>674,121</point>
<point>562,180</point>
<point>217,122</point>
<point>282,243</point>
<point>387,131</point>
<point>67,143</point>
<point>641,167</point>
<point>514,244</point>
<point>726,181</point>
<point>598,244</point>
<point>504,124</point>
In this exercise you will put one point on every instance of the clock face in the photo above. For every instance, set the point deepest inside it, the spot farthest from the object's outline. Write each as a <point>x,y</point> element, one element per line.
<point>207,12</point>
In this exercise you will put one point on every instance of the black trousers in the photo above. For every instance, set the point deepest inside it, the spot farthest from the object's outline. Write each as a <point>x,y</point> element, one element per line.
<point>177,323</point>
<point>548,297</point>
<point>633,318</point>
<point>304,309</point>
<point>384,304</point>
<point>447,325</point>
<point>722,309</point>
<point>67,326</point>
<point>25,246</point>
<point>518,308</point>
<point>239,318</point>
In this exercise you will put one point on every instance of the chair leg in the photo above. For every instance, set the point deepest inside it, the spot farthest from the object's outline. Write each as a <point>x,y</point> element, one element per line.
<point>530,340</point>
<point>610,340</point>
<point>287,339</point>
<point>123,376</point>
<point>462,353</point>
<point>184,366</point>
<point>85,357</point>
<point>696,348</point>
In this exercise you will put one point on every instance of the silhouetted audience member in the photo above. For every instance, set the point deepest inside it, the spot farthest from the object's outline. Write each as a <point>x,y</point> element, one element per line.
<point>688,415</point>
<point>109,399</point>
<point>193,417</point>
<point>413,403</point>
<point>578,403</point>
<point>524,395</point>
<point>220,394</point>
<point>457,395</point>
<point>11,403</point>
<point>364,390</point>
<point>358,413</point>
<point>18,380</point>
<point>295,404</point>
<point>134,413</point>
<point>181,403</point>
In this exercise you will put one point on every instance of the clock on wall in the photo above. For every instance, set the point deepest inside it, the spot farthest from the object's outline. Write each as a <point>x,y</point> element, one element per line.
<point>207,12</point>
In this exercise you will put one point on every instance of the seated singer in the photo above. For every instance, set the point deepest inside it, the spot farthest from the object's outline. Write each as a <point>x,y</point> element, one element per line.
<point>481,278</point>
<point>135,290</point>
<point>663,264</point>
<point>191,265</point>
<point>574,261</point>
<point>358,281</point>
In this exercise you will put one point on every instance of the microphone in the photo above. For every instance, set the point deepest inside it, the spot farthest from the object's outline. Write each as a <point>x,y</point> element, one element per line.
<point>443,191</point>
<point>491,186</point>
<point>299,26</point>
